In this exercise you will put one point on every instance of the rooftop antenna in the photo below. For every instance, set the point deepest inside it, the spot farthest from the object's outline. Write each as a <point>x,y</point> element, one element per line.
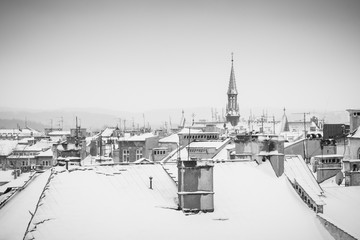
<point>76,133</point>
<point>193,116</point>
<point>61,123</point>
<point>273,124</point>
<point>144,119</point>
<point>305,148</point>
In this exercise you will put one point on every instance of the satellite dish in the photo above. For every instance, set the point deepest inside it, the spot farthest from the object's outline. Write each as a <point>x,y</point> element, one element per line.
<point>339,178</point>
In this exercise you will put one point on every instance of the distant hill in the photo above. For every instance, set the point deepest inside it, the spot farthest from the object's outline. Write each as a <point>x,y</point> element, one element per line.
<point>95,119</point>
<point>18,123</point>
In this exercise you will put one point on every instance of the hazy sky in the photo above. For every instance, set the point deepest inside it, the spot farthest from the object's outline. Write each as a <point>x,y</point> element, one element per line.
<point>142,55</point>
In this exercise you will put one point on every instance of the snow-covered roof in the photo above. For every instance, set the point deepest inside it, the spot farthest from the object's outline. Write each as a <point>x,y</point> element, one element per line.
<point>209,144</point>
<point>108,132</point>
<point>223,153</point>
<point>26,140</point>
<point>9,131</point>
<point>329,156</point>
<point>192,130</point>
<point>59,133</point>
<point>6,176</point>
<point>142,160</point>
<point>342,208</point>
<point>113,196</point>
<point>47,153</point>
<point>173,138</point>
<point>355,134</point>
<point>29,148</point>
<point>183,153</point>
<point>15,216</point>
<point>7,146</point>
<point>18,182</point>
<point>296,170</point>
<point>351,160</point>
<point>141,137</point>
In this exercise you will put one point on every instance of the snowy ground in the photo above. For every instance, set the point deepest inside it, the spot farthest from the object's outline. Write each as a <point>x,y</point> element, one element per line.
<point>116,203</point>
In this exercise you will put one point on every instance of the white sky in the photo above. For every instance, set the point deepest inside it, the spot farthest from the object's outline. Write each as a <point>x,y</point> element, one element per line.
<point>143,55</point>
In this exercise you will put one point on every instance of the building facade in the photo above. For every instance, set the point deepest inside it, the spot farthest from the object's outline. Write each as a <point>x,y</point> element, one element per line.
<point>137,147</point>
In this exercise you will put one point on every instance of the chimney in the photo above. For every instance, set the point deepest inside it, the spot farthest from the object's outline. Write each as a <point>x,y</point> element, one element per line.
<point>354,119</point>
<point>195,186</point>
<point>273,150</point>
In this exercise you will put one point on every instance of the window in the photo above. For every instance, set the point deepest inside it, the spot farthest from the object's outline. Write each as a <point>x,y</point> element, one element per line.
<point>138,153</point>
<point>126,155</point>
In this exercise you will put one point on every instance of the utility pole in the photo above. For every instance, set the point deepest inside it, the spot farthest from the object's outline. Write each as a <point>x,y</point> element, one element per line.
<point>262,123</point>
<point>305,147</point>
<point>273,124</point>
<point>144,120</point>
<point>76,133</point>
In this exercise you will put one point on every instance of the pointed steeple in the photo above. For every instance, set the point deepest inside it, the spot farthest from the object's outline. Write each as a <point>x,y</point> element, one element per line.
<point>284,123</point>
<point>232,82</point>
<point>232,107</point>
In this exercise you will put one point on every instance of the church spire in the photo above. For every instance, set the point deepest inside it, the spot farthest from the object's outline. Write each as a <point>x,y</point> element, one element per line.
<point>232,107</point>
<point>232,83</point>
<point>284,123</point>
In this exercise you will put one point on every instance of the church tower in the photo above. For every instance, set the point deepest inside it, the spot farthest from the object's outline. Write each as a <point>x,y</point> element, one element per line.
<point>232,107</point>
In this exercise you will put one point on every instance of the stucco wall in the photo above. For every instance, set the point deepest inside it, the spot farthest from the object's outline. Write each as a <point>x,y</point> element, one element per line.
<point>323,174</point>
<point>312,149</point>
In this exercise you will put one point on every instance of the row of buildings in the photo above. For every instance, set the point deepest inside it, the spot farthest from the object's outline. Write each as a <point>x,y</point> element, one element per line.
<point>307,155</point>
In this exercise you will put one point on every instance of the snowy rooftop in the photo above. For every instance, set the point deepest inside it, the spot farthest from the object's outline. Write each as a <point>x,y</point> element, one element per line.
<point>186,130</point>
<point>223,153</point>
<point>141,137</point>
<point>183,153</point>
<point>39,146</point>
<point>107,132</point>
<point>59,133</point>
<point>209,144</point>
<point>356,134</point>
<point>342,208</point>
<point>116,202</point>
<point>296,169</point>
<point>7,146</point>
<point>9,131</point>
<point>47,153</point>
<point>173,138</point>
